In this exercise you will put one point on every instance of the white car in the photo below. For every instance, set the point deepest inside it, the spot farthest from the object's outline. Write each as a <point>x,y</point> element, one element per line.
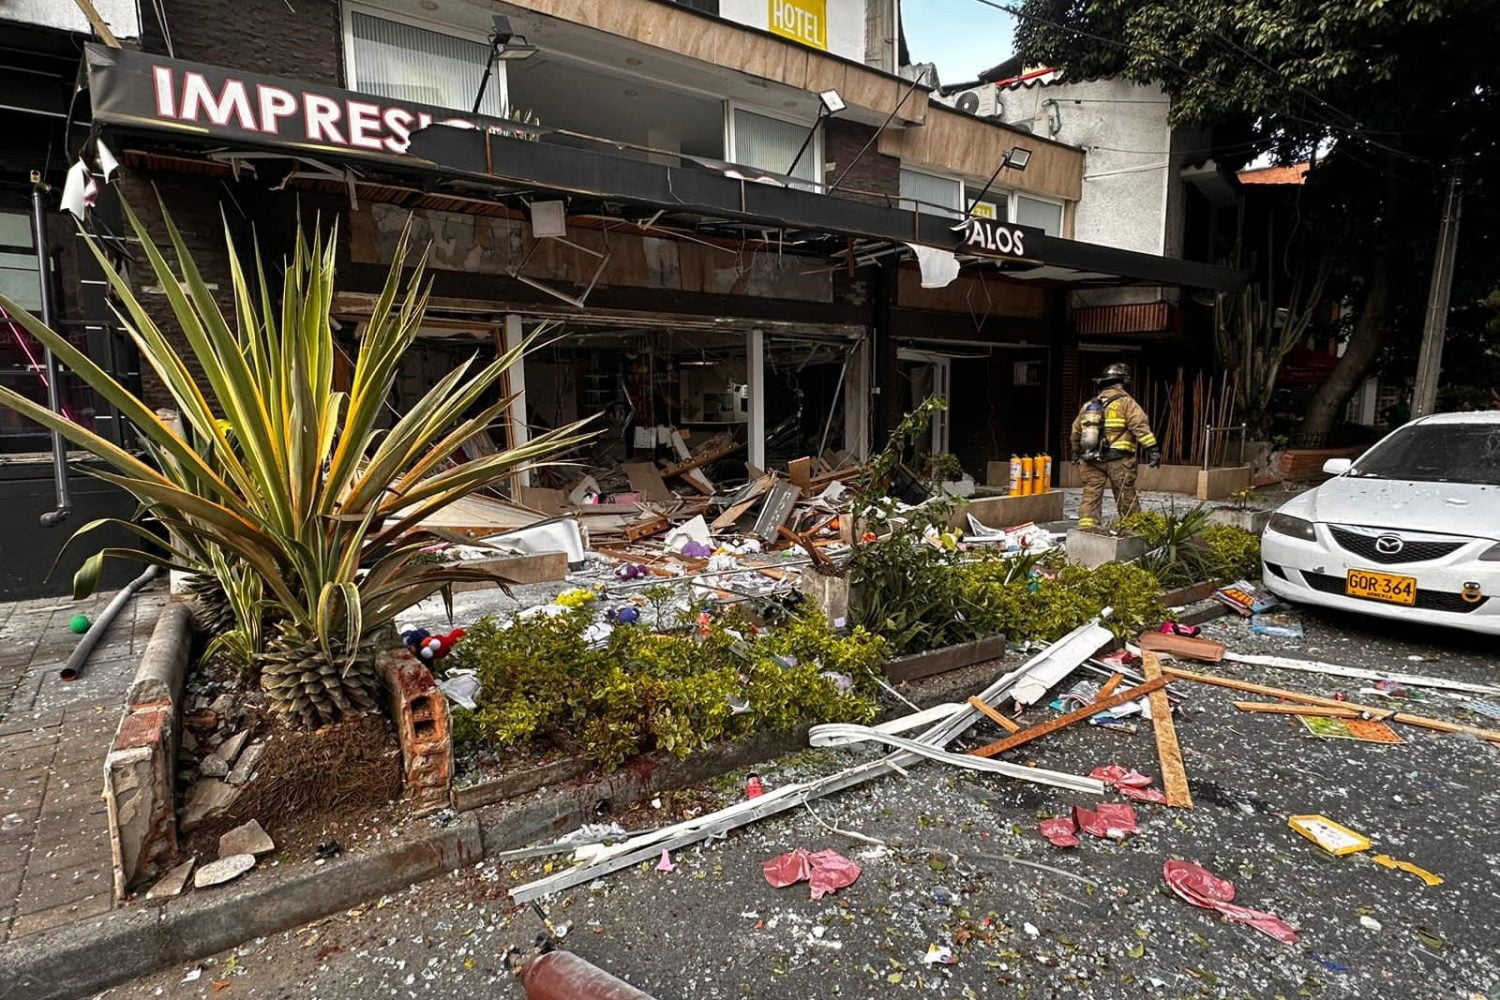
<point>1409,530</point>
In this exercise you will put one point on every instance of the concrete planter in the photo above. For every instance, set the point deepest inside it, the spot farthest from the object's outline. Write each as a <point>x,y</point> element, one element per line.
<point>1250,519</point>
<point>1092,549</point>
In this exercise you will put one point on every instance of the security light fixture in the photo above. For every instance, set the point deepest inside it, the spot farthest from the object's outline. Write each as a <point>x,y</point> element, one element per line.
<point>504,44</point>
<point>1016,159</point>
<point>508,44</point>
<point>829,104</point>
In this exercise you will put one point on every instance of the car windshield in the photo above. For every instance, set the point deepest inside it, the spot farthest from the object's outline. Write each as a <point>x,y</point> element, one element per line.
<point>1436,453</point>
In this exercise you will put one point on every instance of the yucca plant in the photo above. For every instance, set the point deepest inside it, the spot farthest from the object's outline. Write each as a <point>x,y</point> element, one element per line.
<point>289,480</point>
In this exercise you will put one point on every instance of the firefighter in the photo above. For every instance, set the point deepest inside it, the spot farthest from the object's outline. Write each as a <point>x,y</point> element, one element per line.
<point>1110,435</point>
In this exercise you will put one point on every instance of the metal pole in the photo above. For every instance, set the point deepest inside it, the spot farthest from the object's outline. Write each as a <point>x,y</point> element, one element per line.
<point>49,317</point>
<point>1430,360</point>
<point>1208,444</point>
<point>790,171</point>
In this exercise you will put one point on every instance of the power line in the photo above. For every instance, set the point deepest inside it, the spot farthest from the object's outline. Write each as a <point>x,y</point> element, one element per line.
<point>1216,85</point>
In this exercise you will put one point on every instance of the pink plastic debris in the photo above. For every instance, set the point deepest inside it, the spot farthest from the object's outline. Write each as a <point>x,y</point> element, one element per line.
<point>1202,888</point>
<point>1060,831</point>
<point>665,864</point>
<point>1131,784</point>
<point>1111,820</point>
<point>826,871</point>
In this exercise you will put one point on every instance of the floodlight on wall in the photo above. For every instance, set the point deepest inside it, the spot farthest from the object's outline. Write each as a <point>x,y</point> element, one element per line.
<point>829,104</point>
<point>504,44</point>
<point>509,45</point>
<point>1016,159</point>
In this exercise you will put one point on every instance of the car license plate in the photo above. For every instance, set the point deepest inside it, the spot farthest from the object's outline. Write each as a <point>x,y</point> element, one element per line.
<point>1381,586</point>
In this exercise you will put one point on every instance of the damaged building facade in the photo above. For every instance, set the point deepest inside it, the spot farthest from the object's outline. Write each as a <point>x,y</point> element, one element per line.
<point>739,220</point>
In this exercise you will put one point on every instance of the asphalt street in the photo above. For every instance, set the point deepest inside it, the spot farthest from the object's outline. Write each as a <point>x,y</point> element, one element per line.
<point>940,849</point>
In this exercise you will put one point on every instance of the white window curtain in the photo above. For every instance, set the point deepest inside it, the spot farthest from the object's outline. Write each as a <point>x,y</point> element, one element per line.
<point>771,144</point>
<point>407,63</point>
<point>1041,214</point>
<point>925,192</point>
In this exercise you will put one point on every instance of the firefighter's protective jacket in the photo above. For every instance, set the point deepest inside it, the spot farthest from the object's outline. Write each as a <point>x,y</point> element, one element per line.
<point>1126,425</point>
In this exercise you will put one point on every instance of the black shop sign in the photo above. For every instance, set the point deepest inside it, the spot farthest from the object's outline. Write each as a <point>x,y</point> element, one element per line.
<point>137,88</point>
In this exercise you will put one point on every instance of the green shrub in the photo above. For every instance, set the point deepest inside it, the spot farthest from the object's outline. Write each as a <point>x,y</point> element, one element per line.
<point>1233,552</point>
<point>641,691</point>
<point>1045,609</point>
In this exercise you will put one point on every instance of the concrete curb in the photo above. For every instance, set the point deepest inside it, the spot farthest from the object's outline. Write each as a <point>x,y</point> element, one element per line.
<point>92,955</point>
<point>163,667</point>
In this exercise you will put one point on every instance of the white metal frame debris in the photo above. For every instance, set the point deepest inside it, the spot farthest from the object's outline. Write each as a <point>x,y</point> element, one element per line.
<point>1074,648</point>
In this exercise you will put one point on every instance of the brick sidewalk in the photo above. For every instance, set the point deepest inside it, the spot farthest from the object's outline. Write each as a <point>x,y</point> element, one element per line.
<point>54,846</point>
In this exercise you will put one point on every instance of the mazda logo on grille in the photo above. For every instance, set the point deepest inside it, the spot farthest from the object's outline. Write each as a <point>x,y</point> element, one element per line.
<point>1389,545</point>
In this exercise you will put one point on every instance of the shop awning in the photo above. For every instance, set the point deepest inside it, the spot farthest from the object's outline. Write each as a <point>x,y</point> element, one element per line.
<point>213,106</point>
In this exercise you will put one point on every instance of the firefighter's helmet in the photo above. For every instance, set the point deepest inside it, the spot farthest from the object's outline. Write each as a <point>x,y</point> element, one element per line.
<point>1119,372</point>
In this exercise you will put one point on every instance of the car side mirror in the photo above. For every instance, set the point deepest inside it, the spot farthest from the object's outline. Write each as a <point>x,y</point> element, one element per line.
<point>1338,466</point>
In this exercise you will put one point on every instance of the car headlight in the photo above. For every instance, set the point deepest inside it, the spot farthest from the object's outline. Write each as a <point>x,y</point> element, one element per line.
<point>1296,527</point>
<point>1491,554</point>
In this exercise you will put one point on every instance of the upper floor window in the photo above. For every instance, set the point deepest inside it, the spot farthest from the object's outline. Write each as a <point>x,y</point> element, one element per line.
<point>405,62</point>
<point>1044,215</point>
<point>932,193</point>
<point>771,144</point>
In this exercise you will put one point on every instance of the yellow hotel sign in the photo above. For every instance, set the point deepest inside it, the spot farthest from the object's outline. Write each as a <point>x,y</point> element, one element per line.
<point>804,21</point>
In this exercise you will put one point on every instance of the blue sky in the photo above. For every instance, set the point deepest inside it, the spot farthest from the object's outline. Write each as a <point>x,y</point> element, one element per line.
<point>962,36</point>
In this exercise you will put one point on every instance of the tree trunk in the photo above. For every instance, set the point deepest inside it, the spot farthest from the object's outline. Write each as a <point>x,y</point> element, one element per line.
<point>1370,329</point>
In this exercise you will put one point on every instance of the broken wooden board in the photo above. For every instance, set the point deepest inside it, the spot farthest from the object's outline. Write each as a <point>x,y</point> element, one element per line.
<point>647,480</point>
<point>1063,721</point>
<point>651,526</point>
<point>1110,685</point>
<point>476,516</point>
<point>1368,711</point>
<point>741,503</point>
<point>994,716</point>
<point>1168,753</point>
<point>777,508</point>
<point>713,449</point>
<point>1183,647</point>
<point>545,500</point>
<point>1279,708</point>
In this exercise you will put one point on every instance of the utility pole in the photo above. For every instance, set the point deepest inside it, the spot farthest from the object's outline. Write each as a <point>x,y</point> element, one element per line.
<point>1430,360</point>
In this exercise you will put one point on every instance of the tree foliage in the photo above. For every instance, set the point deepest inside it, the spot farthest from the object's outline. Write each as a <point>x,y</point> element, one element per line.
<point>1388,94</point>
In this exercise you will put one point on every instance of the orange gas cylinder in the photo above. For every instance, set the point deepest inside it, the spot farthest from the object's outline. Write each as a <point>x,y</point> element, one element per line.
<point>1015,475</point>
<point>1046,461</point>
<point>1028,475</point>
<point>562,975</point>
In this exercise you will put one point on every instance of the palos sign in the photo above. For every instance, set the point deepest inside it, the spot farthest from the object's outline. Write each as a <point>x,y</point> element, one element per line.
<point>139,89</point>
<point>991,238</point>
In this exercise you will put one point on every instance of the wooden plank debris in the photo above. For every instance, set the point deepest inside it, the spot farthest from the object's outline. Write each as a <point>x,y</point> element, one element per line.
<point>1280,708</point>
<point>1372,712</point>
<point>1063,721</point>
<point>1169,754</point>
<point>994,716</point>
<point>647,480</point>
<point>715,448</point>
<point>1183,647</point>
<point>1110,685</point>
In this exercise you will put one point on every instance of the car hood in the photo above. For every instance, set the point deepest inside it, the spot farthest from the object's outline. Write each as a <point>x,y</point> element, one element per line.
<point>1444,508</point>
